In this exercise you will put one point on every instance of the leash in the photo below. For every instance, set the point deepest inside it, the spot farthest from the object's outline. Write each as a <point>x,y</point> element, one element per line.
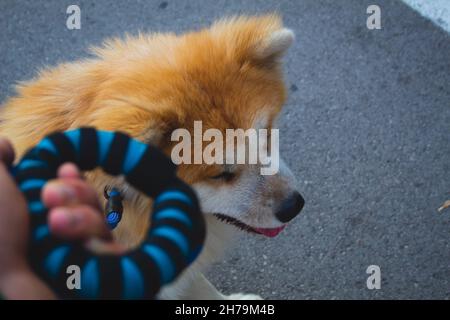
<point>173,241</point>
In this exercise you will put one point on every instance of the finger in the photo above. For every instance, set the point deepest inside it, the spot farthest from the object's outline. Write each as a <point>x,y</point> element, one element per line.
<point>69,192</point>
<point>14,222</point>
<point>69,171</point>
<point>6,152</point>
<point>78,223</point>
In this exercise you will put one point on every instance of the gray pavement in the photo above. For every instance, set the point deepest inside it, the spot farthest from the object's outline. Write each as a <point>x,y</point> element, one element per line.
<point>366,130</point>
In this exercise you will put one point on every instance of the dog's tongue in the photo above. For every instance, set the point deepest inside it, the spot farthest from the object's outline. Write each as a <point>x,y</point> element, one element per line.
<point>269,232</point>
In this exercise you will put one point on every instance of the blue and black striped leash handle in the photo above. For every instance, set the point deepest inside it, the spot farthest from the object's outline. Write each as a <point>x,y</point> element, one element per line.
<point>177,228</point>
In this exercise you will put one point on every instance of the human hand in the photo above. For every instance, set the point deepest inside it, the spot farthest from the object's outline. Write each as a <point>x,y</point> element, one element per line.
<point>74,214</point>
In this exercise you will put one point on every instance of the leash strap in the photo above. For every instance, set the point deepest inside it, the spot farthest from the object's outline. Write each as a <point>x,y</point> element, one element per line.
<point>174,239</point>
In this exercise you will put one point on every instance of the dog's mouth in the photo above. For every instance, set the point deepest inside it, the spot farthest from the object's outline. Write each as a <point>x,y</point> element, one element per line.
<point>268,232</point>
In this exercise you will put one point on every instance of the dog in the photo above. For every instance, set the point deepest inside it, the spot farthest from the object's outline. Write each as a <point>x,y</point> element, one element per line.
<point>227,76</point>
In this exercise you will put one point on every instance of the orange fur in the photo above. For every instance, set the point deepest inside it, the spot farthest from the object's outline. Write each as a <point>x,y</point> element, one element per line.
<point>149,85</point>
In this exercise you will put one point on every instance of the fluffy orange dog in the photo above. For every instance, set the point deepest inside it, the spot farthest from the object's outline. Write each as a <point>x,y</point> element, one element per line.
<point>227,76</point>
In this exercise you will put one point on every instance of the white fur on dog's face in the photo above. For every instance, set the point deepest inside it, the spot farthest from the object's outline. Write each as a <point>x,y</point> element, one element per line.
<point>251,199</point>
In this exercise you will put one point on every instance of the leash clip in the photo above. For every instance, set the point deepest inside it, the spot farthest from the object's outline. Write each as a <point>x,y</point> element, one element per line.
<point>113,207</point>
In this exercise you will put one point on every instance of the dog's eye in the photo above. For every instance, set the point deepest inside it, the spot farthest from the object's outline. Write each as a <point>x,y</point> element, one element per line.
<point>225,175</point>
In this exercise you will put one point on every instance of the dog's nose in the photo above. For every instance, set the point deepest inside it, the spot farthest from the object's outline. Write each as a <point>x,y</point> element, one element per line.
<point>290,207</point>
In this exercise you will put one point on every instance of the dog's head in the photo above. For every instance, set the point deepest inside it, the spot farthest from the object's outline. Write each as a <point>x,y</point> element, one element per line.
<point>228,77</point>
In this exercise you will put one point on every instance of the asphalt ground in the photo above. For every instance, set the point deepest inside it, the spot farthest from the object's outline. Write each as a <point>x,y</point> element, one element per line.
<point>366,130</point>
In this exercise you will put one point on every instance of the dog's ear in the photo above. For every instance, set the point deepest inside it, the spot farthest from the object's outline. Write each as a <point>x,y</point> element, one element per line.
<point>273,45</point>
<point>259,39</point>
